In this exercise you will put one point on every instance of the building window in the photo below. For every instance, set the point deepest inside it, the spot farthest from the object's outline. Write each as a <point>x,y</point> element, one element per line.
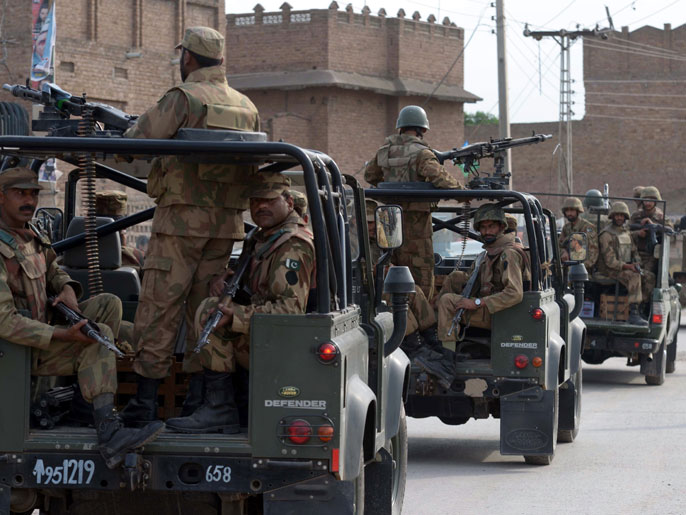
<point>121,73</point>
<point>245,20</point>
<point>272,19</point>
<point>300,18</point>
<point>67,66</point>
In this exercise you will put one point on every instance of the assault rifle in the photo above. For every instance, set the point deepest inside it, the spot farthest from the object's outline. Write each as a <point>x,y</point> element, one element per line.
<point>61,105</point>
<point>470,155</point>
<point>467,291</point>
<point>653,230</point>
<point>90,329</point>
<point>229,292</point>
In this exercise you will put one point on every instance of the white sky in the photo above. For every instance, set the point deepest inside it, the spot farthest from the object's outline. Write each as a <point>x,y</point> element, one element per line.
<point>532,97</point>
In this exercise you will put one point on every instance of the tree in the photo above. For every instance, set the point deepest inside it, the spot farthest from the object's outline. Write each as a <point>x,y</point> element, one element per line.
<point>479,118</point>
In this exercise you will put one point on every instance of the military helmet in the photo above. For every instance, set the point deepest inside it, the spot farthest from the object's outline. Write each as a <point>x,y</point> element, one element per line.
<point>572,203</point>
<point>593,198</point>
<point>651,192</point>
<point>511,222</point>
<point>489,212</point>
<point>619,208</point>
<point>412,116</point>
<point>577,237</point>
<point>637,191</point>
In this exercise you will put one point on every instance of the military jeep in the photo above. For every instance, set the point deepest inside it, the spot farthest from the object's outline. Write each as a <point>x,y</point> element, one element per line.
<point>326,430</point>
<point>526,371</point>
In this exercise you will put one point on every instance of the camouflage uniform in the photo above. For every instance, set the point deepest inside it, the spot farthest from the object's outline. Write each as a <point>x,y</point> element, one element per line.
<point>279,279</point>
<point>648,260</point>
<point>199,206</point>
<point>406,158</point>
<point>28,270</point>
<point>500,285</point>
<point>591,233</point>
<point>299,203</point>
<point>616,248</point>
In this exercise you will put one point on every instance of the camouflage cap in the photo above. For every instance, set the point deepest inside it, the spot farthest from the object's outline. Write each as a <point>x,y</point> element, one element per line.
<point>270,185</point>
<point>110,203</point>
<point>370,206</point>
<point>577,237</point>
<point>299,202</point>
<point>489,212</point>
<point>20,178</point>
<point>651,192</point>
<point>511,221</point>
<point>203,41</point>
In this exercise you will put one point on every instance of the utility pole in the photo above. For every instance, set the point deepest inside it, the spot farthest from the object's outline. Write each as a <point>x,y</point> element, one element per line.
<point>566,39</point>
<point>503,108</point>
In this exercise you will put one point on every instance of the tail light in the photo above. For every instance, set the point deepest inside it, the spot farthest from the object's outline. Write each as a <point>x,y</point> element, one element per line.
<point>537,361</point>
<point>537,314</point>
<point>327,352</point>
<point>299,431</point>
<point>521,361</point>
<point>325,432</point>
<point>657,317</point>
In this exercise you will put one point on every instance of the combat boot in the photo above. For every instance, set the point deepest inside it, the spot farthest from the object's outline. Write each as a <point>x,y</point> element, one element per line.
<point>115,440</point>
<point>142,408</point>
<point>436,364</point>
<point>218,413</point>
<point>430,337</point>
<point>193,398</point>
<point>635,318</point>
<point>412,344</point>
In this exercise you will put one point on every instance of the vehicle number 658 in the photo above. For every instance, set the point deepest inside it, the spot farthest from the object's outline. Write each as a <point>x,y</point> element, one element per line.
<point>218,473</point>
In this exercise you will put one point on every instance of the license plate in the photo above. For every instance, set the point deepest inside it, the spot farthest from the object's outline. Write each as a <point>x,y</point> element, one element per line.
<point>66,472</point>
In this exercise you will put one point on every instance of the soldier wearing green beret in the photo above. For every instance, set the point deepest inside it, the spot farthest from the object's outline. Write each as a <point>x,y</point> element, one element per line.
<point>198,216</point>
<point>28,271</point>
<point>279,279</point>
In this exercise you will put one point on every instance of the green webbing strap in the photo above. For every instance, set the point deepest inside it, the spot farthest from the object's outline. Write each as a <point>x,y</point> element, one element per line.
<point>268,244</point>
<point>7,238</point>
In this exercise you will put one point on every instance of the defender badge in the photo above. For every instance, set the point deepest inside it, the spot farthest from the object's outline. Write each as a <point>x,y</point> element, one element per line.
<point>289,391</point>
<point>517,338</point>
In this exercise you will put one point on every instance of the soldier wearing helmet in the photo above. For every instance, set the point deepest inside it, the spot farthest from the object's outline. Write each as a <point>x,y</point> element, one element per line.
<point>500,283</point>
<point>572,209</point>
<point>648,213</point>
<point>594,200</point>
<point>405,157</point>
<point>637,195</point>
<point>619,258</point>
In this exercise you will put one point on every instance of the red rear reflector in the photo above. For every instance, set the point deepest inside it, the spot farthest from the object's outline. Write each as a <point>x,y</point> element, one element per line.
<point>635,345</point>
<point>325,433</point>
<point>334,460</point>
<point>657,319</point>
<point>327,351</point>
<point>537,314</point>
<point>299,431</point>
<point>537,361</point>
<point>521,361</point>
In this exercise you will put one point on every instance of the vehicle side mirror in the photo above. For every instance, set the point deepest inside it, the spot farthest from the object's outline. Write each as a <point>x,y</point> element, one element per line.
<point>49,221</point>
<point>389,227</point>
<point>577,247</point>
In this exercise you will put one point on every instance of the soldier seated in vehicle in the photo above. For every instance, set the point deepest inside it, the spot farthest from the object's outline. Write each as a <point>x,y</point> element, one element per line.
<point>500,284</point>
<point>28,273</point>
<point>648,213</point>
<point>421,335</point>
<point>279,279</point>
<point>619,259</point>
<point>572,209</point>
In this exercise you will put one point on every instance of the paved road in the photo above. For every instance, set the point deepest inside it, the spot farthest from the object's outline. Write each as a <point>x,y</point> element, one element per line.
<point>629,457</point>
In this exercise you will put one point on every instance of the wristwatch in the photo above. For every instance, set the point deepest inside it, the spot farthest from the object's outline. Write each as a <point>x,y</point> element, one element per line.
<point>478,302</point>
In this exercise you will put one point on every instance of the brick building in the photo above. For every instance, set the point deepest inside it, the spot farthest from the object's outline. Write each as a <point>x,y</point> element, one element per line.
<point>633,130</point>
<point>335,80</point>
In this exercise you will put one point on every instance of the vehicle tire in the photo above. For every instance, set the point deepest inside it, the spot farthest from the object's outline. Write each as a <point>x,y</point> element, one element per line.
<point>671,355</point>
<point>575,382</point>
<point>546,460</point>
<point>398,450</point>
<point>660,377</point>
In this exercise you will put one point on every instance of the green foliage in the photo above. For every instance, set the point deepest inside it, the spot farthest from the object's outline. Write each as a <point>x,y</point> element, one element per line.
<point>479,118</point>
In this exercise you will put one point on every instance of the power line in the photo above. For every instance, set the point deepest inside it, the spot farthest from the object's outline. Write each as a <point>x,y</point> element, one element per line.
<point>610,47</point>
<point>656,12</point>
<point>633,118</point>
<point>636,43</point>
<point>633,81</point>
<point>628,106</point>
<point>615,93</point>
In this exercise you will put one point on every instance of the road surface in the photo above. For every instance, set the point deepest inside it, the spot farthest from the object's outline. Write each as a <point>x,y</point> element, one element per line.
<point>629,457</point>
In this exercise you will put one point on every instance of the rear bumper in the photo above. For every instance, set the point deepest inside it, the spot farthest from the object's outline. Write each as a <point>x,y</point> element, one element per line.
<point>621,343</point>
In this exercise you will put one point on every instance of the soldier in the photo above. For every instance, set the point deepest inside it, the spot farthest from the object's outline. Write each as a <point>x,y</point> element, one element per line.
<point>619,258</point>
<point>572,209</point>
<point>576,247</point>
<point>406,157</point>
<point>637,195</point>
<point>279,278</point>
<point>197,220</point>
<point>512,227</point>
<point>648,213</point>
<point>299,203</point>
<point>112,204</point>
<point>28,270</point>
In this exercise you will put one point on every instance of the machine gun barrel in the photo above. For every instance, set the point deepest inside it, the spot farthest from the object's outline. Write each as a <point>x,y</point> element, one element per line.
<point>467,291</point>
<point>90,329</point>
<point>229,292</point>
<point>24,92</point>
<point>480,150</point>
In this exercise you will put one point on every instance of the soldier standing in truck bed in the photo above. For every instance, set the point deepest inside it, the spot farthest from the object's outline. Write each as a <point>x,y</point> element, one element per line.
<point>279,279</point>
<point>619,258</point>
<point>406,157</point>
<point>197,220</point>
<point>28,272</point>
<point>648,213</point>
<point>112,203</point>
<point>572,210</point>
